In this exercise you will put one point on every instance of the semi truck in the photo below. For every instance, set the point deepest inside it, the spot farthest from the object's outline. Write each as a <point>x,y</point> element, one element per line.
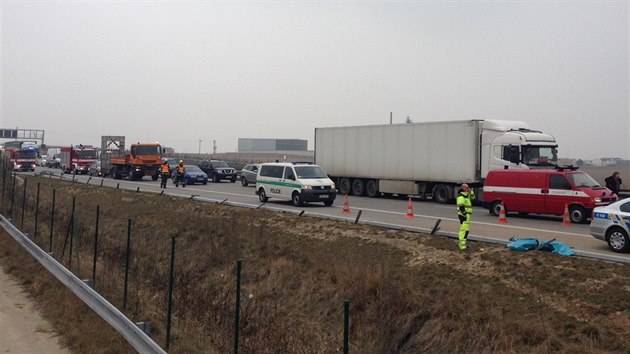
<point>143,159</point>
<point>429,159</point>
<point>77,159</point>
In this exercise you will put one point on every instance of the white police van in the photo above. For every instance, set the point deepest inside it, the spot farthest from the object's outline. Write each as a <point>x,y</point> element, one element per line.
<point>299,183</point>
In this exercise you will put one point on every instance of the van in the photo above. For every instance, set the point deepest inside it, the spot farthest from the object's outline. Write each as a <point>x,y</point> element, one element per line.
<point>541,191</point>
<point>299,183</point>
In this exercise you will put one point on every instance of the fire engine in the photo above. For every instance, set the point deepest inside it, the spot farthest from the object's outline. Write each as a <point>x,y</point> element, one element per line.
<point>77,159</point>
<point>23,159</point>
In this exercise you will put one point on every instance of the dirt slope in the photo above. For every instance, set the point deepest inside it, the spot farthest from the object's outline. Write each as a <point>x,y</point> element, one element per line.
<point>408,293</point>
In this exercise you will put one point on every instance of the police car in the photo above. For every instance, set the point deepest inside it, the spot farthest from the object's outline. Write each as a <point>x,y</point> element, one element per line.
<point>611,223</point>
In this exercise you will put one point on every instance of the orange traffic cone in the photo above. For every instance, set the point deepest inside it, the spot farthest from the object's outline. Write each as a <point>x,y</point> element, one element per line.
<point>502,218</point>
<point>566,219</point>
<point>409,210</point>
<point>346,206</point>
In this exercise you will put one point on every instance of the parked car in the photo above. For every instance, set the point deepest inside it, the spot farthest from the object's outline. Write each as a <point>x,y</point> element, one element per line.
<point>611,223</point>
<point>41,161</point>
<point>95,169</point>
<point>218,170</point>
<point>193,175</point>
<point>248,174</point>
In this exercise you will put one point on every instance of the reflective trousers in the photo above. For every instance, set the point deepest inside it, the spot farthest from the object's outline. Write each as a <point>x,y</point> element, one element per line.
<point>464,228</point>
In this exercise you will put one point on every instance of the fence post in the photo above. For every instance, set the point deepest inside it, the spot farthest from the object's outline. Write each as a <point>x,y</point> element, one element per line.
<point>170,293</point>
<point>4,180</point>
<point>72,223</point>
<point>13,199</point>
<point>52,221</point>
<point>346,325</point>
<point>23,202</point>
<point>98,208</point>
<point>127,263</point>
<point>36,211</point>
<point>237,318</point>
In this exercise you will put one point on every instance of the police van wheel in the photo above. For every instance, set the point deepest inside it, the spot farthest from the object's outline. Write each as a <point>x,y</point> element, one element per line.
<point>262,196</point>
<point>297,199</point>
<point>618,240</point>
<point>244,181</point>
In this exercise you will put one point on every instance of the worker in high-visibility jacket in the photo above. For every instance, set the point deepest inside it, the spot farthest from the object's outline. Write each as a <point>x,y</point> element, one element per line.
<point>165,171</point>
<point>180,174</point>
<point>464,212</point>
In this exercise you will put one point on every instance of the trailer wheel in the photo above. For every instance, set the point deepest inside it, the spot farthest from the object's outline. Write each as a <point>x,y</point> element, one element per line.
<point>371,188</point>
<point>358,187</point>
<point>344,186</point>
<point>442,194</point>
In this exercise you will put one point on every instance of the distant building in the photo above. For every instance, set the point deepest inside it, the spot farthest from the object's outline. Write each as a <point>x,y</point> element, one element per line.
<point>267,145</point>
<point>607,161</point>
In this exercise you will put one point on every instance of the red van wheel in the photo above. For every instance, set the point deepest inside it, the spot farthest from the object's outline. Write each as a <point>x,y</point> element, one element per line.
<point>495,208</point>
<point>577,214</point>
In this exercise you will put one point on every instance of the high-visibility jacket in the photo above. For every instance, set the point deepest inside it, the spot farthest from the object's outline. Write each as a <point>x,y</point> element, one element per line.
<point>464,203</point>
<point>165,169</point>
<point>181,169</point>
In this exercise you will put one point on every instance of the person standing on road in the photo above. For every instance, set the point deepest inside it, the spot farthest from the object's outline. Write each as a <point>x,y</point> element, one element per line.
<point>464,212</point>
<point>164,173</point>
<point>180,174</point>
<point>614,182</point>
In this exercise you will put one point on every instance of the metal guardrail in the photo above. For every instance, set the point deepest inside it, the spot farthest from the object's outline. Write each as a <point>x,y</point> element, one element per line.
<point>129,330</point>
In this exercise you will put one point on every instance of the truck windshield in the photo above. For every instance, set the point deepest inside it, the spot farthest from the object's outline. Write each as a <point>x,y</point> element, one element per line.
<point>28,154</point>
<point>148,150</point>
<point>540,155</point>
<point>310,172</point>
<point>86,154</point>
<point>583,180</point>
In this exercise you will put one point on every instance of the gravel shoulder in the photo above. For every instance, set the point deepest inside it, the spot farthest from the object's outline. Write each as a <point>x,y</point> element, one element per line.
<point>23,329</point>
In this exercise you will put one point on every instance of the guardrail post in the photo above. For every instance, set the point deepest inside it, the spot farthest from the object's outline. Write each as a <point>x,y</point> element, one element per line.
<point>98,208</point>
<point>237,314</point>
<point>23,202</point>
<point>127,263</point>
<point>170,293</point>
<point>36,210</point>
<point>346,325</point>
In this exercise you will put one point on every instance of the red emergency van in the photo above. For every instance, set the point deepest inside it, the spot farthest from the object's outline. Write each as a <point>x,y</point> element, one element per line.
<point>542,191</point>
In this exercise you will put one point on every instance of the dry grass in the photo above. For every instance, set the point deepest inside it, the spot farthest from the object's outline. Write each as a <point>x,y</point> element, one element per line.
<point>408,293</point>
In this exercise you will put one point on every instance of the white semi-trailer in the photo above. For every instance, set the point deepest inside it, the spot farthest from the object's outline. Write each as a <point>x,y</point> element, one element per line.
<point>428,159</point>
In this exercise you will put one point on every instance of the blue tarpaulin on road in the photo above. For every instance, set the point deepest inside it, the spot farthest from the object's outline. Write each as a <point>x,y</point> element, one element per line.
<point>530,243</point>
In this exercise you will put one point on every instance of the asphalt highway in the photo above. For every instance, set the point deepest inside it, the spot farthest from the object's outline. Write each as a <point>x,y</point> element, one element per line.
<point>389,212</point>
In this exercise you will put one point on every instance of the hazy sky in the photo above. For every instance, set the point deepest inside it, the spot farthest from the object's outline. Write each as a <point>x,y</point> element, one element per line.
<point>177,72</point>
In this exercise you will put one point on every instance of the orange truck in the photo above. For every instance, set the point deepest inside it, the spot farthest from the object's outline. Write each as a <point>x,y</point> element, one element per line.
<point>143,159</point>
